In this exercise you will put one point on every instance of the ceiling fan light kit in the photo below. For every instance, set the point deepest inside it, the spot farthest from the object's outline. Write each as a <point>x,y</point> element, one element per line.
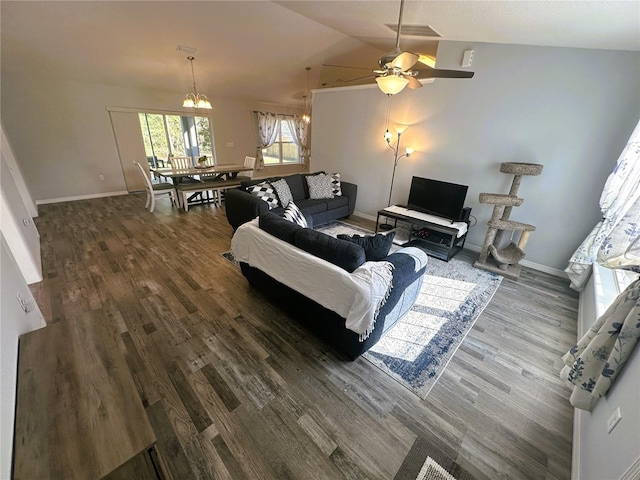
<point>195,99</point>
<point>392,84</point>
<point>395,67</point>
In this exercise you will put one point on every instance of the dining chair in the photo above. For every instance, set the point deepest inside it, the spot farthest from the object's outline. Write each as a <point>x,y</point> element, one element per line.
<point>251,163</point>
<point>181,162</point>
<point>155,189</point>
<point>223,185</point>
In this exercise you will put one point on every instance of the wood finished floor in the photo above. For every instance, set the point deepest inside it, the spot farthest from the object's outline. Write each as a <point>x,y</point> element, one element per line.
<point>235,389</point>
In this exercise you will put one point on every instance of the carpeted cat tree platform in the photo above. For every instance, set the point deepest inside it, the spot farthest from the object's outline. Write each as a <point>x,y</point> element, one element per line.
<point>505,260</point>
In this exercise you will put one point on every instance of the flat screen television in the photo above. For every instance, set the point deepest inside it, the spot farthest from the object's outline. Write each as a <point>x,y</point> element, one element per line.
<point>438,198</point>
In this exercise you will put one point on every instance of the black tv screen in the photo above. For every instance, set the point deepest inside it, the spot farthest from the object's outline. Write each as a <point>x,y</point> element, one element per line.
<point>438,198</point>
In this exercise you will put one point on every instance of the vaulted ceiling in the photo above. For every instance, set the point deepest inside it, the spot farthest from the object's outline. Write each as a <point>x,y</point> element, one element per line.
<point>259,49</point>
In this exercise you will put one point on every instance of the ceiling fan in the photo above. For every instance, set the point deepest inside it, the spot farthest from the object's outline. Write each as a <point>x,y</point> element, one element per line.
<point>395,68</point>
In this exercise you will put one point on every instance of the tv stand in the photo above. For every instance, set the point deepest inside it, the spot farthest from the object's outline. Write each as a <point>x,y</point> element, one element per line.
<point>437,236</point>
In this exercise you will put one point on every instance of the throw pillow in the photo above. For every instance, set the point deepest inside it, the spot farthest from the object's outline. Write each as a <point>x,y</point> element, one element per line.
<point>264,191</point>
<point>346,255</point>
<point>319,187</point>
<point>336,189</point>
<point>293,214</point>
<point>376,247</point>
<point>277,226</point>
<point>284,192</point>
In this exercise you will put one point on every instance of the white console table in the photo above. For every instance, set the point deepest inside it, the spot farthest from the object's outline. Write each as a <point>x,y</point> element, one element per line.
<point>437,236</point>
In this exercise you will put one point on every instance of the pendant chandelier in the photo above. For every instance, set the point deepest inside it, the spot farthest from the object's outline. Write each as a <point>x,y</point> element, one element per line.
<point>306,116</point>
<point>195,99</point>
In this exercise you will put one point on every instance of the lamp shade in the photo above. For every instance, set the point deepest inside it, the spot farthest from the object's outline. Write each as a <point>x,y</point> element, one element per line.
<point>392,84</point>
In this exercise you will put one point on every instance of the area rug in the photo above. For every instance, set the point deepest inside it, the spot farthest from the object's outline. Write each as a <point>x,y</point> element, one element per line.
<point>417,349</point>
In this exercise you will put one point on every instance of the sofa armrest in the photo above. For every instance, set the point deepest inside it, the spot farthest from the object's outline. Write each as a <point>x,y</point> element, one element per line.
<point>350,190</point>
<point>242,207</point>
<point>409,263</point>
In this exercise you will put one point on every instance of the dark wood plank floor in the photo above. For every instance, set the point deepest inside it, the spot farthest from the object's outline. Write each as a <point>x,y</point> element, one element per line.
<point>235,389</point>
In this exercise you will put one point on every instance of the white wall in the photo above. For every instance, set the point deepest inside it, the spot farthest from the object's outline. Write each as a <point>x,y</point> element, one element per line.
<point>571,110</point>
<point>597,454</point>
<point>63,138</point>
<point>19,264</point>
<point>13,323</point>
<point>16,220</point>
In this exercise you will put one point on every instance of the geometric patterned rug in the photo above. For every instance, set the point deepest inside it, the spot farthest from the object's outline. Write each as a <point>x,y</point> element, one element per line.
<point>417,349</point>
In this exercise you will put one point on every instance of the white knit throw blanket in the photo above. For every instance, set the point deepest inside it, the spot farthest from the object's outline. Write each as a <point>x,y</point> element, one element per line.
<point>356,296</point>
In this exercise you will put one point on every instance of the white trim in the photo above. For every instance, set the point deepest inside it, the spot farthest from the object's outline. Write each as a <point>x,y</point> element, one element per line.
<point>80,197</point>
<point>474,248</point>
<point>185,113</point>
<point>17,236</point>
<point>9,157</point>
<point>633,473</point>
<point>576,459</point>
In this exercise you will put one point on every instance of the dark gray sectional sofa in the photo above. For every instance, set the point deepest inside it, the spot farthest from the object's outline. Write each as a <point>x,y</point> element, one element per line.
<point>242,206</point>
<point>408,272</point>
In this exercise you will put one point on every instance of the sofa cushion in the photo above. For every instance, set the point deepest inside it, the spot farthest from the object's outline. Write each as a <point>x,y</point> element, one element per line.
<point>264,191</point>
<point>335,202</point>
<point>284,192</point>
<point>296,186</point>
<point>312,207</point>
<point>346,255</point>
<point>376,247</point>
<point>277,226</point>
<point>319,186</point>
<point>293,214</point>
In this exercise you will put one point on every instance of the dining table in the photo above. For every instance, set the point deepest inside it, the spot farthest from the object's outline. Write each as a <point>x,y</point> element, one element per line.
<point>227,171</point>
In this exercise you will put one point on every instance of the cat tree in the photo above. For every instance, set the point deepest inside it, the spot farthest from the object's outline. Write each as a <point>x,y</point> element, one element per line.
<point>493,257</point>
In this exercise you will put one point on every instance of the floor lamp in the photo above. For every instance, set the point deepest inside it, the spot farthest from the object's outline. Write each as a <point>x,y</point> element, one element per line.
<point>408,151</point>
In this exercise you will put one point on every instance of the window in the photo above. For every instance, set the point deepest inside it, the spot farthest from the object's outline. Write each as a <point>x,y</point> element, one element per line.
<point>178,135</point>
<point>284,150</point>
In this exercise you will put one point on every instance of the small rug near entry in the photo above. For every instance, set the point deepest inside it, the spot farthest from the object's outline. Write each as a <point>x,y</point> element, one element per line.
<point>427,460</point>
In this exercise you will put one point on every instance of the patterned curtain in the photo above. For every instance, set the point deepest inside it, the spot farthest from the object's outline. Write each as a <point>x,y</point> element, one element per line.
<point>595,362</point>
<point>267,130</point>
<point>300,130</point>
<point>620,224</point>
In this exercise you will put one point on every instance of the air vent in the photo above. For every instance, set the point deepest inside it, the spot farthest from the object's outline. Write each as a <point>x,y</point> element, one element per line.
<point>415,30</point>
<point>189,50</point>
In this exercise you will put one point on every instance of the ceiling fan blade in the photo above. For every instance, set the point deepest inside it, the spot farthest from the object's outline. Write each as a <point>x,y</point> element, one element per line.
<point>404,61</point>
<point>436,73</point>
<point>344,66</point>
<point>413,83</point>
<point>354,79</point>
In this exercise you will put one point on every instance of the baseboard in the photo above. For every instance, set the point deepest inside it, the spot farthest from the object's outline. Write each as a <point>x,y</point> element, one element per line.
<point>475,248</point>
<point>633,472</point>
<point>80,197</point>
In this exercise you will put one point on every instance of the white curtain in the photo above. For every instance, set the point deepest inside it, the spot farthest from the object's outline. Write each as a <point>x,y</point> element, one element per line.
<point>616,231</point>
<point>593,364</point>
<point>267,132</point>
<point>300,131</point>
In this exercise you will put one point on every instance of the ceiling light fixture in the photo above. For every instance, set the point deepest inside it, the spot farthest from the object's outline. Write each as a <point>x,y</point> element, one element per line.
<point>392,84</point>
<point>306,116</point>
<point>195,99</point>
